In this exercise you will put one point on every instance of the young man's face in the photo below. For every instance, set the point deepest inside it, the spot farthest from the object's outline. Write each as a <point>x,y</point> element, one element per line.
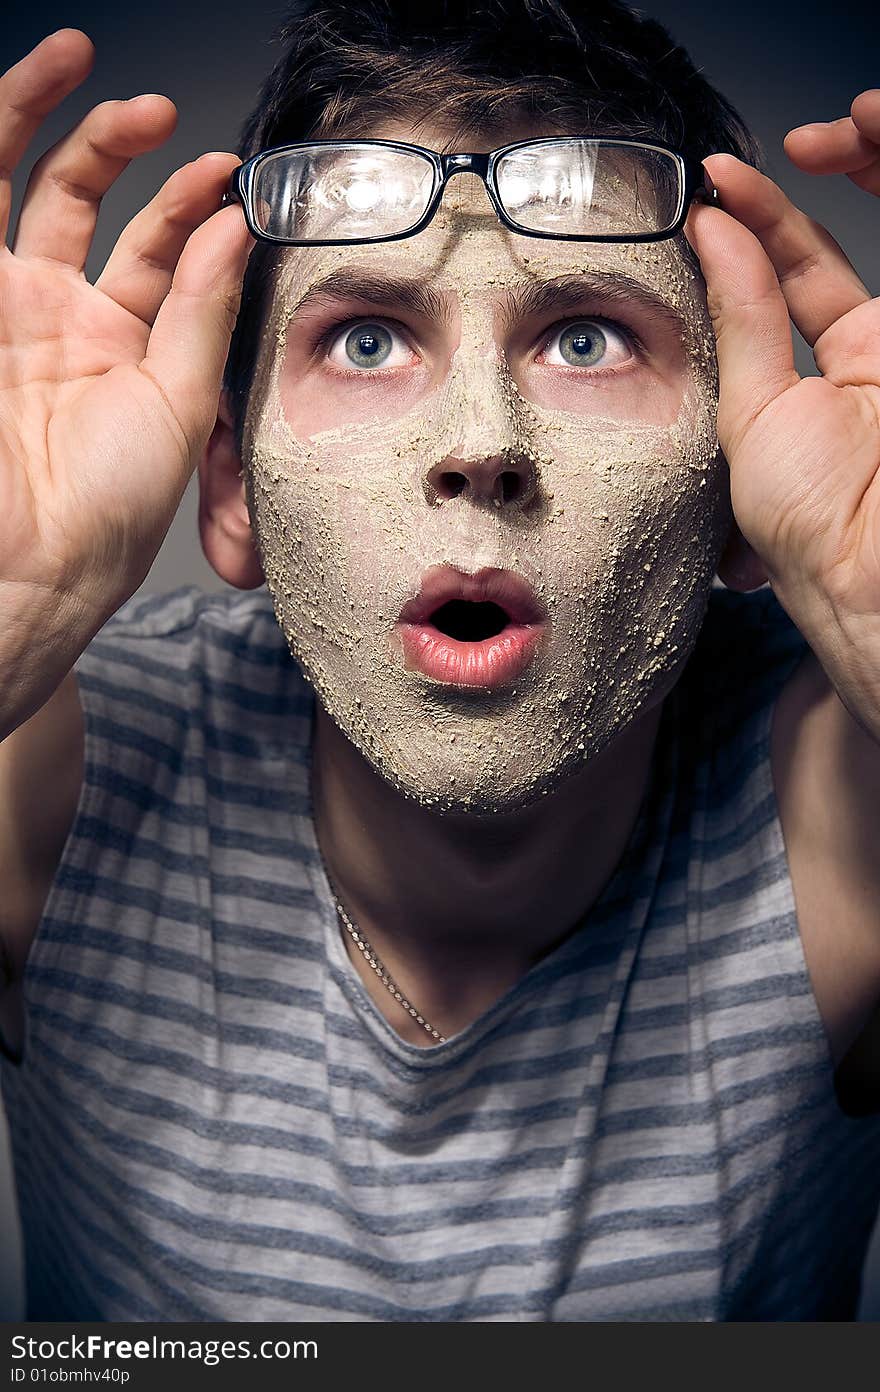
<point>473,418</point>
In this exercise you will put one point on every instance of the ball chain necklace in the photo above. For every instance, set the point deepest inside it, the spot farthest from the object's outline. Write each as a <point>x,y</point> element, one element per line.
<point>383,974</point>
<point>371,957</point>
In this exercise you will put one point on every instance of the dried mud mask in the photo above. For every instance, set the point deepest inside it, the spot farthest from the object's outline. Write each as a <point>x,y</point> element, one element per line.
<point>619,537</point>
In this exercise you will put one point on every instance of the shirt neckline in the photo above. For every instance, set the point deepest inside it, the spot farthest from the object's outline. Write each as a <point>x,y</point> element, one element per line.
<point>651,826</point>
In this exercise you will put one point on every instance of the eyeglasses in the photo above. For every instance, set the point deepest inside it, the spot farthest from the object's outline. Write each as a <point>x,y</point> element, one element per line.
<point>335,192</point>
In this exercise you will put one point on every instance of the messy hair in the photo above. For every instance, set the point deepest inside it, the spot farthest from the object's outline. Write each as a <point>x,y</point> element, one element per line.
<point>472,66</point>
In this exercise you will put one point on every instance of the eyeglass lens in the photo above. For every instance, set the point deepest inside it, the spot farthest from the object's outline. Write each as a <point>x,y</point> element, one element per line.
<point>570,187</point>
<point>339,193</point>
<point>586,188</point>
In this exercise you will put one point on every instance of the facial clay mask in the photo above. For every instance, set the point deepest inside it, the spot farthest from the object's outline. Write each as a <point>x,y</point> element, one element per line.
<point>484,450</point>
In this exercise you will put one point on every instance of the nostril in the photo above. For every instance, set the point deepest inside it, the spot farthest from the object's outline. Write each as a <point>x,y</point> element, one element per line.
<point>450,484</point>
<point>511,486</point>
<point>498,481</point>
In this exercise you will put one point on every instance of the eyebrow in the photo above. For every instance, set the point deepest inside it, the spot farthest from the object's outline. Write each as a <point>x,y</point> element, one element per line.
<point>418,296</point>
<point>558,296</point>
<point>566,293</point>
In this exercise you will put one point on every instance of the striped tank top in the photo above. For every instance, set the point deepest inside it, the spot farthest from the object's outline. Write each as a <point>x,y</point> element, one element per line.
<point>212,1121</point>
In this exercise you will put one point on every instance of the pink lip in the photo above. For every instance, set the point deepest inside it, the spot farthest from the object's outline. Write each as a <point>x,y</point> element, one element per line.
<point>488,663</point>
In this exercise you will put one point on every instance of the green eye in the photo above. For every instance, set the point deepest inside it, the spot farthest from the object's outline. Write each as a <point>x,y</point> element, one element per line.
<point>368,345</point>
<point>582,345</point>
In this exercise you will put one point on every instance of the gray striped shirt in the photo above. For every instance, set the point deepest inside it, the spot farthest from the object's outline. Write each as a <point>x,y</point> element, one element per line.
<point>212,1121</point>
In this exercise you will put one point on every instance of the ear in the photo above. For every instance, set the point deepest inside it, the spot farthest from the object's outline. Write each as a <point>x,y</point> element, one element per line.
<point>224,520</point>
<point>740,568</point>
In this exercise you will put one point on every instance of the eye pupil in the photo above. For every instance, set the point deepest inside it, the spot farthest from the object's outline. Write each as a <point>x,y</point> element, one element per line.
<point>581,343</point>
<point>368,345</point>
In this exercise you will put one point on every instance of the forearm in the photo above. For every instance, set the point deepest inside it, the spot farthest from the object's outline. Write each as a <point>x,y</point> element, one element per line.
<point>826,771</point>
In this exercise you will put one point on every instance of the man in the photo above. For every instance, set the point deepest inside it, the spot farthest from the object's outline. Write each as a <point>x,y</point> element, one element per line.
<point>509,979</point>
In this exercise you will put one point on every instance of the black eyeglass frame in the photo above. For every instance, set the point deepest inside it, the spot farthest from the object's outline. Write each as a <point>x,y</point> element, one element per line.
<point>694,183</point>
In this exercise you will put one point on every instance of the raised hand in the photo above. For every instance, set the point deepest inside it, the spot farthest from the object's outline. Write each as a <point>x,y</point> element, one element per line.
<point>109,391</point>
<point>804,454</point>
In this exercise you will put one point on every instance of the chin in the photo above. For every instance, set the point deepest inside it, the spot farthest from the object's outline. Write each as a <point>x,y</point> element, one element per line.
<point>476,773</point>
<point>470,795</point>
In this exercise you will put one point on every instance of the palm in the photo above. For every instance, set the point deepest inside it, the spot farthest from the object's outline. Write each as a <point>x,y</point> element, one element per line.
<point>69,378</point>
<point>820,503</point>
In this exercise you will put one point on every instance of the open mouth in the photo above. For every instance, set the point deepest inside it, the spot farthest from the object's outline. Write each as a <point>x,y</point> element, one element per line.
<point>477,630</point>
<point>469,622</point>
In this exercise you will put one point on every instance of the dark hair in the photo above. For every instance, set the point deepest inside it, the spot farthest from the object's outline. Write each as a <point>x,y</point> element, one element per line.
<point>594,67</point>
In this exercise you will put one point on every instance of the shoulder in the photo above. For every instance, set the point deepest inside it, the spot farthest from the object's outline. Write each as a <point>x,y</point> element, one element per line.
<point>189,700</point>
<point>185,706</point>
<point>189,649</point>
<point>234,620</point>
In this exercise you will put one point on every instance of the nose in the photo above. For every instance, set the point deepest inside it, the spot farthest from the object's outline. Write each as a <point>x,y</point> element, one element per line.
<point>485,455</point>
<point>507,479</point>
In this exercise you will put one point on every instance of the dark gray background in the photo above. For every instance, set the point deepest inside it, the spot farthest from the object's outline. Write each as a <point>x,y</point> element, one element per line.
<point>781,64</point>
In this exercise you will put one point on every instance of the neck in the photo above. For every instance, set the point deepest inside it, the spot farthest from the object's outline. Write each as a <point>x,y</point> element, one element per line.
<point>460,906</point>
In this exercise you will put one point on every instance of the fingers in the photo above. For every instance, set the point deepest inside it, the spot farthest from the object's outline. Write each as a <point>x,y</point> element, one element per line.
<point>750,319</point>
<point>29,91</point>
<point>64,192</point>
<point>189,342</point>
<point>865,112</point>
<point>139,272</point>
<point>816,278</point>
<point>850,145</point>
<point>848,353</point>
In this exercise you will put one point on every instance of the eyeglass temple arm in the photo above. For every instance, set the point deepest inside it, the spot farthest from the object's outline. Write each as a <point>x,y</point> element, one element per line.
<point>705,190</point>
<point>233,193</point>
<point>707,195</point>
